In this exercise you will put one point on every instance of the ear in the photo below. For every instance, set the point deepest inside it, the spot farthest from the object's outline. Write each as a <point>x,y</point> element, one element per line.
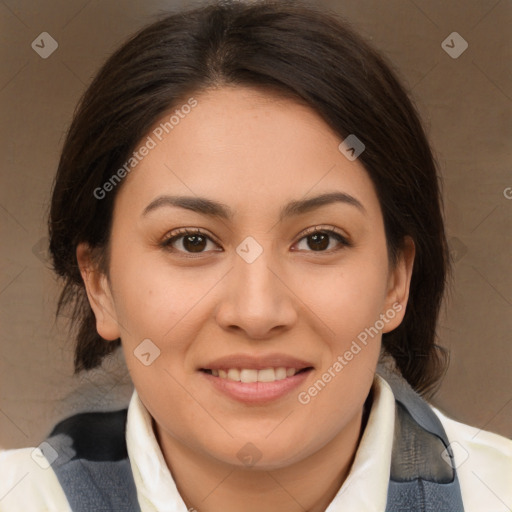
<point>398,286</point>
<point>99,293</point>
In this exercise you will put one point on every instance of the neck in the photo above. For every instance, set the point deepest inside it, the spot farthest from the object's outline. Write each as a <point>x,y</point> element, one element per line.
<point>209,485</point>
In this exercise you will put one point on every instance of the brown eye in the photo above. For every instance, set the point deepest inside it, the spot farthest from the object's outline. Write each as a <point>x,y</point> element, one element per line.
<point>187,241</point>
<point>321,240</point>
<point>318,241</point>
<point>194,243</point>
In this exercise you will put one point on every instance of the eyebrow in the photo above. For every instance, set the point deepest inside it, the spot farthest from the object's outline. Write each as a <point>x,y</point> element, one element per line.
<point>212,208</point>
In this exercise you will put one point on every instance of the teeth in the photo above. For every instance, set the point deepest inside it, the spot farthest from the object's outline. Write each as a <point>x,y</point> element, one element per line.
<point>281,373</point>
<point>250,375</point>
<point>267,375</point>
<point>233,374</point>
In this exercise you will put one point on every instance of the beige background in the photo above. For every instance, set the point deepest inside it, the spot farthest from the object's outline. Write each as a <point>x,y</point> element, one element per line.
<point>466,104</point>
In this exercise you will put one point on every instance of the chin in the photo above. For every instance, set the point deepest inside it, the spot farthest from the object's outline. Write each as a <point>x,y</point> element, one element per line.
<point>259,453</point>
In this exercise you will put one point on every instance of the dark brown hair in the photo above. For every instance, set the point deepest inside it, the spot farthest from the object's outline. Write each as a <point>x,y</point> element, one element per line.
<point>285,46</point>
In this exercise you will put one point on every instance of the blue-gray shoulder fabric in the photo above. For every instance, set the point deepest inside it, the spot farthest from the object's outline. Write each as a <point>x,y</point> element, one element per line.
<point>95,473</point>
<point>421,479</point>
<point>92,466</point>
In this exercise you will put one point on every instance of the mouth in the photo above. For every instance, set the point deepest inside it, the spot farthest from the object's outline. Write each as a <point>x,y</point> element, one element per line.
<point>251,375</point>
<point>256,380</point>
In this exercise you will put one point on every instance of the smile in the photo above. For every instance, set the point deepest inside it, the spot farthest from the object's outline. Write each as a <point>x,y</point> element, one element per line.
<point>248,375</point>
<point>255,387</point>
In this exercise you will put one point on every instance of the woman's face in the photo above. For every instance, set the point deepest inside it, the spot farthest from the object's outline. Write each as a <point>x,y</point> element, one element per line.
<point>255,289</point>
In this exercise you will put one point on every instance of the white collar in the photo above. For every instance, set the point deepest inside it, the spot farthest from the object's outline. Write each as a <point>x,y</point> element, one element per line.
<point>157,491</point>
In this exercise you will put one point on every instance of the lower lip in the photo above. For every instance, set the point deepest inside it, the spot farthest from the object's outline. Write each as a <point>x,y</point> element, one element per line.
<point>257,392</point>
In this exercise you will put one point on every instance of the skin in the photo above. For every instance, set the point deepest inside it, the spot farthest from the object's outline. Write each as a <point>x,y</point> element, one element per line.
<point>252,151</point>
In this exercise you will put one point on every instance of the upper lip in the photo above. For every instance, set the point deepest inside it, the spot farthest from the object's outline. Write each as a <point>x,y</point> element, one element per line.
<point>256,362</point>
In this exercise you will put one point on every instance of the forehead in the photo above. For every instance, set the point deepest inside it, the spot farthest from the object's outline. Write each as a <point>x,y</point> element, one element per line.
<point>247,148</point>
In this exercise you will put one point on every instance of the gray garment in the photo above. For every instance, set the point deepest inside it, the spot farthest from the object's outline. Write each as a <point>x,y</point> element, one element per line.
<point>95,473</point>
<point>423,476</point>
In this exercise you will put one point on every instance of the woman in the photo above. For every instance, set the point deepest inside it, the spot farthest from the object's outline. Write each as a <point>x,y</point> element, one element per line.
<point>247,204</point>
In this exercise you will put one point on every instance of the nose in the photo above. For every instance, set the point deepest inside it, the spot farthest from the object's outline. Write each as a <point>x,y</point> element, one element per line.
<point>258,298</point>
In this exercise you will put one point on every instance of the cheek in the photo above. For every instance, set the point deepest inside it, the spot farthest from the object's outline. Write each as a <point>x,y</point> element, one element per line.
<point>350,299</point>
<point>349,310</point>
<point>152,296</point>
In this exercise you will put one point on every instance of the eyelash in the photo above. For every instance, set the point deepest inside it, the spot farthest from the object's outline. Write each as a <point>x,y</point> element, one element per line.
<point>181,233</point>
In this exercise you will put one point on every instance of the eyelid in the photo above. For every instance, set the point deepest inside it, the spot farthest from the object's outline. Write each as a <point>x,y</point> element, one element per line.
<point>325,228</point>
<point>182,232</point>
